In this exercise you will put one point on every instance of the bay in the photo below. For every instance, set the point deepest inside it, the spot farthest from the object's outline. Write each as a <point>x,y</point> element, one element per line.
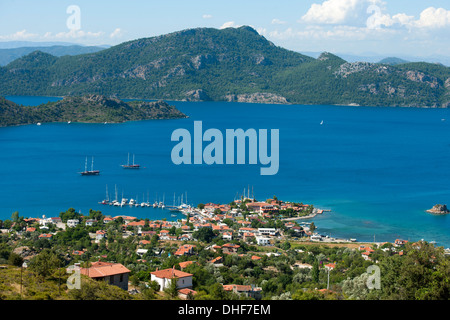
<point>377,169</point>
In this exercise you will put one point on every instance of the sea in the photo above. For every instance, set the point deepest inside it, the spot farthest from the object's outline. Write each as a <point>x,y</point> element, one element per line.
<point>376,169</point>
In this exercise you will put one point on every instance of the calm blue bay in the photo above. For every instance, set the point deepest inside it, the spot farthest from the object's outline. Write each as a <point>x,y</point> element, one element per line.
<point>377,169</point>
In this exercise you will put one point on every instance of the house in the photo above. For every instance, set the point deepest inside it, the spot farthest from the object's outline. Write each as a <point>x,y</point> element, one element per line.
<point>186,293</point>
<point>185,250</point>
<point>107,219</point>
<point>72,223</point>
<point>184,264</point>
<point>185,237</point>
<point>112,273</point>
<point>262,241</point>
<point>227,236</point>
<point>55,220</point>
<point>47,236</point>
<point>246,290</point>
<point>164,278</point>
<point>246,229</point>
<point>229,248</point>
<point>217,261</point>
<point>330,266</point>
<point>399,242</point>
<point>141,251</point>
<point>90,222</point>
<point>100,234</point>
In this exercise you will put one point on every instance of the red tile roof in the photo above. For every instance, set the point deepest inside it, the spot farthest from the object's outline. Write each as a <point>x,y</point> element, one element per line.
<point>101,269</point>
<point>170,273</point>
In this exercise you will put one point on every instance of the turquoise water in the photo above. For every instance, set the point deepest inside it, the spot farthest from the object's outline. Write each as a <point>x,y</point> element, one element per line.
<point>377,169</point>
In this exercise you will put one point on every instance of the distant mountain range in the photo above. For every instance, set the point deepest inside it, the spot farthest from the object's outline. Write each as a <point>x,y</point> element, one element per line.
<point>377,58</point>
<point>233,64</point>
<point>11,54</point>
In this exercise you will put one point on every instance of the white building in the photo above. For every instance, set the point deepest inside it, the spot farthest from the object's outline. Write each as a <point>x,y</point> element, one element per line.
<point>164,278</point>
<point>267,231</point>
<point>72,223</point>
<point>262,241</point>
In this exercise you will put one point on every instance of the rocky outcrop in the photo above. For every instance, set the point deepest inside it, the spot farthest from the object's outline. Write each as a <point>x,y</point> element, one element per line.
<point>439,209</point>
<point>421,77</point>
<point>197,95</point>
<point>257,98</point>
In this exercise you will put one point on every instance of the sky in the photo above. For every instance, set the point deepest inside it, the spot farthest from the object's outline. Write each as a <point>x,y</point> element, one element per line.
<point>385,27</point>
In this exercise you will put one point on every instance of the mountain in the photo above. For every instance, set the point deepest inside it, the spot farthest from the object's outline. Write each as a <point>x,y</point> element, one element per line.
<point>232,64</point>
<point>392,61</point>
<point>86,109</point>
<point>11,54</point>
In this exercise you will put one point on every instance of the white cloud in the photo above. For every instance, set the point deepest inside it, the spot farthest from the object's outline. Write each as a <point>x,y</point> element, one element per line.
<point>339,11</point>
<point>433,18</point>
<point>19,35</point>
<point>278,21</point>
<point>78,34</point>
<point>207,16</point>
<point>117,33</point>
<point>229,24</point>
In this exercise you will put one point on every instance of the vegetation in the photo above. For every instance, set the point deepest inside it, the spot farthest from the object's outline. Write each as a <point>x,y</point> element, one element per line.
<point>289,269</point>
<point>233,64</point>
<point>89,109</point>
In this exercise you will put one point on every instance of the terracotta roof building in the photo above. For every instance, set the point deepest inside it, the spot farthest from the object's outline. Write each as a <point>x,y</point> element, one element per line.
<point>113,273</point>
<point>164,278</point>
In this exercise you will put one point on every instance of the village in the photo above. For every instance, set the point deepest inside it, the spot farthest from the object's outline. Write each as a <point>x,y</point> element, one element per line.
<point>244,246</point>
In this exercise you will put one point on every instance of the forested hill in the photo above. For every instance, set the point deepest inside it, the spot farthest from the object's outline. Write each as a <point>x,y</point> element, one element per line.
<point>86,109</point>
<point>233,64</point>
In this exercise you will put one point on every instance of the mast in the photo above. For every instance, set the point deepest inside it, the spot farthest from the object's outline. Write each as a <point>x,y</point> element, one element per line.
<point>92,165</point>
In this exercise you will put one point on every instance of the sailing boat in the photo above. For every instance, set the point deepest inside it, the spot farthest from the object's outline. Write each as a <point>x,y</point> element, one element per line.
<point>91,172</point>
<point>106,201</point>
<point>321,123</point>
<point>130,166</point>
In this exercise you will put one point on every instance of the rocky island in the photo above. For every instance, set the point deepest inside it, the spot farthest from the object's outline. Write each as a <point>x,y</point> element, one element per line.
<point>439,209</point>
<point>86,109</point>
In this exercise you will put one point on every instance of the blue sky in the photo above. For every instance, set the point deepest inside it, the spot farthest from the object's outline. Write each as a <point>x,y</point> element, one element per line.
<point>347,26</point>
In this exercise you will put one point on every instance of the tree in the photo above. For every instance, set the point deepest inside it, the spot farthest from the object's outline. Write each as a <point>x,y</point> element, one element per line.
<point>312,227</point>
<point>15,216</point>
<point>172,289</point>
<point>45,263</point>
<point>204,234</point>
<point>15,259</point>
<point>201,206</point>
<point>315,271</point>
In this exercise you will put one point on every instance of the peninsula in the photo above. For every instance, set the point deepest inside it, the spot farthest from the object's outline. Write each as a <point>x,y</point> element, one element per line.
<point>86,109</point>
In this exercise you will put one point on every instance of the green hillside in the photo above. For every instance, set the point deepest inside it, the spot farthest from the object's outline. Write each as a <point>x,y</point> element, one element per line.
<point>86,109</point>
<point>233,64</point>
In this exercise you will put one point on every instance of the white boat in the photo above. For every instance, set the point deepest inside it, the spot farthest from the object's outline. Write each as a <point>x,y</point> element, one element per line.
<point>38,123</point>
<point>106,201</point>
<point>321,123</point>
<point>132,202</point>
